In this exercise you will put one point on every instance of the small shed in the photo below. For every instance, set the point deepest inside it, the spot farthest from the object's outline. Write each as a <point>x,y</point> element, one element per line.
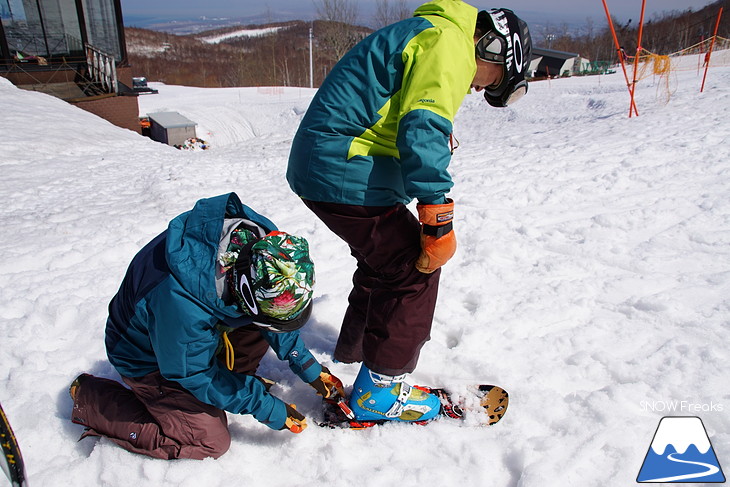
<point>557,63</point>
<point>171,128</point>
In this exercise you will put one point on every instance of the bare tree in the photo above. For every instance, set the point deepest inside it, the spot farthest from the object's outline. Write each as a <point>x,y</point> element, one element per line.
<point>390,11</point>
<point>590,28</point>
<point>564,30</point>
<point>336,34</point>
<point>344,11</point>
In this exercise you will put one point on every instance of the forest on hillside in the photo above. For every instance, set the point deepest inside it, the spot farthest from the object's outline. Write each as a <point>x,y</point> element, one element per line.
<point>279,53</point>
<point>663,34</point>
<point>280,58</point>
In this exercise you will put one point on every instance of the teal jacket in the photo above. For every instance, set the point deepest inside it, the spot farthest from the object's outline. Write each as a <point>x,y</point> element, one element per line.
<point>167,316</point>
<point>377,131</point>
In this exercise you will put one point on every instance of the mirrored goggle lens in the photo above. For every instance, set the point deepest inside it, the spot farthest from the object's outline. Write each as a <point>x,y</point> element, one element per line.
<point>491,48</point>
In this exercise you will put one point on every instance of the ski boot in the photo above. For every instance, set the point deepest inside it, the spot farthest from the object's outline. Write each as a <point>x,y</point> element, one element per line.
<point>379,397</point>
<point>73,391</point>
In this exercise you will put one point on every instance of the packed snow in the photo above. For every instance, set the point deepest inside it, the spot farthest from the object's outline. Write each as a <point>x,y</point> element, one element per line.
<point>592,281</point>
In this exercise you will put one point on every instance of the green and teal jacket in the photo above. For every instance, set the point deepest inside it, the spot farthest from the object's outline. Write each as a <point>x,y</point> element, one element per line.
<point>377,131</point>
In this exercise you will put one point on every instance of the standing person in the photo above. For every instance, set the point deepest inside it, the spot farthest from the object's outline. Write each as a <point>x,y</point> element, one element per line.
<point>375,137</point>
<point>197,310</point>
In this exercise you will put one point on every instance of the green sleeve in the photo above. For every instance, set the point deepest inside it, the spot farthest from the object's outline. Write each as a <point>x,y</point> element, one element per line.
<point>438,70</point>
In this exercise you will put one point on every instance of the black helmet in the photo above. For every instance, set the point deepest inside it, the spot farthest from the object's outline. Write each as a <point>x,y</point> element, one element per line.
<point>506,41</point>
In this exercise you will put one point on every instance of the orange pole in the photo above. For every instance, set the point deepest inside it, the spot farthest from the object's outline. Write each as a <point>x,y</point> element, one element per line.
<point>620,55</point>
<point>638,53</point>
<point>709,53</point>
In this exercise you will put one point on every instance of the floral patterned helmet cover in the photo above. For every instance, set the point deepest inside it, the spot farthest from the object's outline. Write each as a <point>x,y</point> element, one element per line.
<point>281,273</point>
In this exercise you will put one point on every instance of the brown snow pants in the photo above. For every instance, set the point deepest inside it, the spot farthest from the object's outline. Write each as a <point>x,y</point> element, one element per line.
<point>391,305</point>
<point>158,417</point>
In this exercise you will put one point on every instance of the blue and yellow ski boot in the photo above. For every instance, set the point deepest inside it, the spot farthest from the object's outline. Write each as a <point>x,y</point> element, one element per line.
<point>379,397</point>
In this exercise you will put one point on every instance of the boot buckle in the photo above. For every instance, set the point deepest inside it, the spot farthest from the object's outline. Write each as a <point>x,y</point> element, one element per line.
<point>397,408</point>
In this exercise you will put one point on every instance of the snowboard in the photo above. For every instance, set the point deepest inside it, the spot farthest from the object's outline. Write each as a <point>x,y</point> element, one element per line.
<point>481,404</point>
<point>12,463</point>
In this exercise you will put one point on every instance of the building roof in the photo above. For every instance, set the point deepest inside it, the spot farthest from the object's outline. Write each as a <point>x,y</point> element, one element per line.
<point>170,120</point>
<point>537,51</point>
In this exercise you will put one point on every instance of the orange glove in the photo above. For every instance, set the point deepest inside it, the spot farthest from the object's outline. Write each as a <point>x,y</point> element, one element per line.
<point>295,421</point>
<point>327,385</point>
<point>438,242</point>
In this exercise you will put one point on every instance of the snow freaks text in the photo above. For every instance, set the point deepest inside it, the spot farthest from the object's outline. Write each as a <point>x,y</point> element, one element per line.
<point>681,407</point>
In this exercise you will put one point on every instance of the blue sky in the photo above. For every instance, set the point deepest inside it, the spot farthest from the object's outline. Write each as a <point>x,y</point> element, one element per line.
<point>553,11</point>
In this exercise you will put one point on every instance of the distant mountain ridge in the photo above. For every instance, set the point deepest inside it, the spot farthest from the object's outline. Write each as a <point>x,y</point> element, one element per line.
<point>172,51</point>
<point>196,25</point>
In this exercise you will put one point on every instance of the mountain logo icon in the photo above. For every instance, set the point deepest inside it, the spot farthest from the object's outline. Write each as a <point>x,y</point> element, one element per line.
<point>681,452</point>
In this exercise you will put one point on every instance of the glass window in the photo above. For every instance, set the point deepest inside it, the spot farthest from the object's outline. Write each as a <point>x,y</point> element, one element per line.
<point>48,28</point>
<point>101,26</point>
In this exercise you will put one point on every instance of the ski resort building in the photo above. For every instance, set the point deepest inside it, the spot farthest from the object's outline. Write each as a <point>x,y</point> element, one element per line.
<point>72,49</point>
<point>548,63</point>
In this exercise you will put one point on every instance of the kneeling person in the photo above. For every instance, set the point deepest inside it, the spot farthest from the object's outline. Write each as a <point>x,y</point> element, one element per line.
<point>197,310</point>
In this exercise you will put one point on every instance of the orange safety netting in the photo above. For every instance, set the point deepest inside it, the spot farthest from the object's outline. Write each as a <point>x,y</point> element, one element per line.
<point>691,58</point>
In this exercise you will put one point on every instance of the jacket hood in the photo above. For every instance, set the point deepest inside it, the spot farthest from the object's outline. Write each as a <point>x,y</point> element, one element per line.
<point>192,246</point>
<point>460,13</point>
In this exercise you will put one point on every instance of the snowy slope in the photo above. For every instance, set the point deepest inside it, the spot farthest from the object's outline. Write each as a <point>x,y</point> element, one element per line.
<point>592,279</point>
<point>241,33</point>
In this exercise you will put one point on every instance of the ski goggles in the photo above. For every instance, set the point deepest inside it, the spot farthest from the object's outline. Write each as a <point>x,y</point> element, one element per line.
<point>492,48</point>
